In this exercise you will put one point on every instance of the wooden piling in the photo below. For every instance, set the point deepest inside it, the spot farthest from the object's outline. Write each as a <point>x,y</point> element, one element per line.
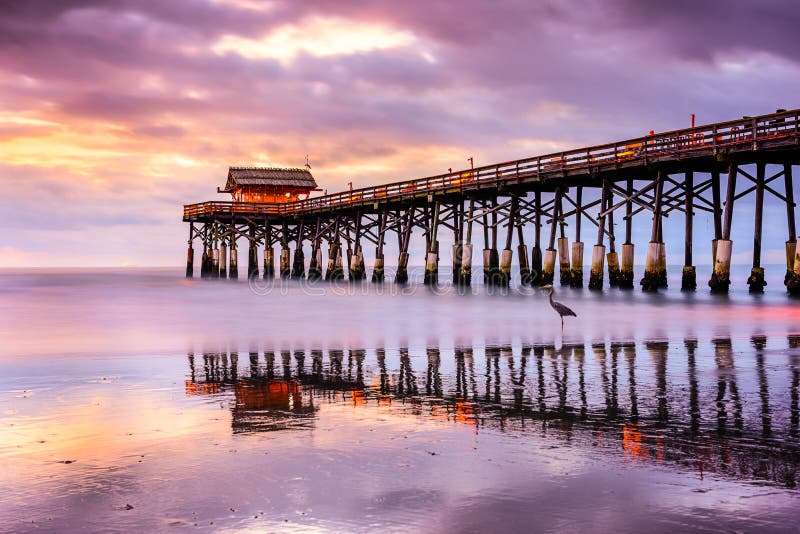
<point>563,247</point>
<point>756,281</point>
<point>214,260</point>
<point>190,254</point>
<point>576,271</point>
<point>599,250</point>
<point>652,278</point>
<point>486,247</point>
<point>794,284</point>
<point>315,262</point>
<point>356,268</point>
<point>791,281</point>
<point>720,278</point>
<point>611,258</point>
<point>233,271</point>
<point>465,278</point>
<point>504,278</point>
<point>269,252</point>
<point>223,259</point>
<point>269,263</point>
<point>495,277</point>
<point>252,257</point>
<point>404,236</point>
<point>548,269</point>
<point>432,257</point>
<point>456,250</point>
<point>205,260</point>
<point>536,252</point>
<point>378,272</point>
<point>298,264</point>
<point>716,200</point>
<point>689,275</point>
<point>626,275</point>
<point>522,253</point>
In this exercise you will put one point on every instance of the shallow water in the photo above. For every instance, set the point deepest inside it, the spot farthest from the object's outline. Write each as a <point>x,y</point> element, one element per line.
<point>134,400</point>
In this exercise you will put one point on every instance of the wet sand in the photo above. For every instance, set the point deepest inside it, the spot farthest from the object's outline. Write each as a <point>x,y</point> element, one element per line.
<point>461,416</point>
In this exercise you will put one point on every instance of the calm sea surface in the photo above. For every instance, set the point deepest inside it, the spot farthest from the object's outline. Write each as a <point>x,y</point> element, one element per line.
<point>134,400</point>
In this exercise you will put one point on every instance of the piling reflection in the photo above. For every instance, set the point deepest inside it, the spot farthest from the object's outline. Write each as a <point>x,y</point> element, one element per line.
<point>686,407</point>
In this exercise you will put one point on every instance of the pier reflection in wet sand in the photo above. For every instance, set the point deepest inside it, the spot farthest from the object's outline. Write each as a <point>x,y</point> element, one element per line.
<point>698,434</point>
<point>624,399</point>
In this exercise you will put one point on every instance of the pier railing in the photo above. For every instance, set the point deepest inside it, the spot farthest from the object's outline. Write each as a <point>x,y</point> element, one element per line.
<point>742,134</point>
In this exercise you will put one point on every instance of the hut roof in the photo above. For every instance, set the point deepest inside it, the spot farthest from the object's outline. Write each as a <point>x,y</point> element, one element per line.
<point>244,176</point>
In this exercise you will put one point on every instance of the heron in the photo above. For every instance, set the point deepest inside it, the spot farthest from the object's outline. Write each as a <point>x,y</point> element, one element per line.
<point>560,309</point>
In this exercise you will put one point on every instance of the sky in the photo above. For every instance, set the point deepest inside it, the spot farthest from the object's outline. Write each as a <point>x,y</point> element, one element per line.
<point>115,113</point>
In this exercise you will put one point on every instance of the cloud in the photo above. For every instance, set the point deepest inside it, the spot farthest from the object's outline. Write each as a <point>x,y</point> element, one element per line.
<point>317,36</point>
<point>127,109</point>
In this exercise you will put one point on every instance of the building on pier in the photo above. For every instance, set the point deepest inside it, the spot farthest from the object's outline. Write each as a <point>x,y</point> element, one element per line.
<point>270,185</point>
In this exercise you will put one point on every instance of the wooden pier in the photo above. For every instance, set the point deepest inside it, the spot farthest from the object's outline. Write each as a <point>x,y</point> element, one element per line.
<point>660,173</point>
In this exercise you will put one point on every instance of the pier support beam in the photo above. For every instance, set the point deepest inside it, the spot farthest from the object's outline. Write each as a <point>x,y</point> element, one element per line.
<point>654,273</point>
<point>285,263</point>
<point>596,271</point>
<point>504,278</point>
<point>334,271</point>
<point>223,259</point>
<point>612,258</point>
<point>563,260</point>
<point>466,265</point>
<point>599,250</point>
<point>233,271</point>
<point>716,200</point>
<point>563,243</point>
<point>315,263</point>
<point>357,270</point>
<point>495,277</point>
<point>432,257</point>
<point>214,262</point>
<point>269,263</point>
<point>269,252</point>
<point>190,254</point>
<point>689,275</point>
<point>252,257</point>
<point>378,273</point>
<point>404,237</point>
<point>791,280</point>
<point>794,282</point>
<point>401,277</point>
<point>536,251</point>
<point>721,277</point>
<point>299,262</point>
<point>456,250</point>
<point>522,254</point>
<point>465,278</point>
<point>756,280</point>
<point>190,262</point>
<point>549,267</point>
<point>576,273</point>
<point>626,270</point>
<point>205,262</point>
